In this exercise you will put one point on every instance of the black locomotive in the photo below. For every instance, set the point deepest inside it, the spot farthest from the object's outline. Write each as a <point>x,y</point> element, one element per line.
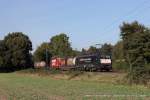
<point>93,63</point>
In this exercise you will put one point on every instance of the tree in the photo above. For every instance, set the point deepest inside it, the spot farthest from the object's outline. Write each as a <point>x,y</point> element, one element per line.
<point>18,47</point>
<point>83,51</point>
<point>75,53</point>
<point>92,50</point>
<point>118,58</point>
<point>136,47</point>
<point>61,46</point>
<point>106,49</point>
<point>2,51</point>
<point>117,51</point>
<point>43,52</point>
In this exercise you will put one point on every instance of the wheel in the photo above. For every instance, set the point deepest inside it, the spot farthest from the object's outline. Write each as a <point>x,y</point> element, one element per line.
<point>108,70</point>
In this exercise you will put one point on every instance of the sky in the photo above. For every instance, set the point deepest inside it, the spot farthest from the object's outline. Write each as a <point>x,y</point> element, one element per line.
<point>86,22</point>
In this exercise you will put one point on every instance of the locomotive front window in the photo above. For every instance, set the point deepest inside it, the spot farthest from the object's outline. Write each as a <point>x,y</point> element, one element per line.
<point>105,57</point>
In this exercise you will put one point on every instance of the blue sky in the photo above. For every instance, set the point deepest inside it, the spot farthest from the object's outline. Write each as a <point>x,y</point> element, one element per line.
<point>87,22</point>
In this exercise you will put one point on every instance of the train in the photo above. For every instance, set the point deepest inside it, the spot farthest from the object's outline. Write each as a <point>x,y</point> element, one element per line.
<point>83,63</point>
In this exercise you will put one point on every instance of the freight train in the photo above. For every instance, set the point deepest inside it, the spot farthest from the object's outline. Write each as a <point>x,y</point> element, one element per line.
<point>83,63</point>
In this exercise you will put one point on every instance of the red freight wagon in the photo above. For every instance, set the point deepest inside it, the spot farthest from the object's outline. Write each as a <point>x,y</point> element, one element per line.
<point>58,62</point>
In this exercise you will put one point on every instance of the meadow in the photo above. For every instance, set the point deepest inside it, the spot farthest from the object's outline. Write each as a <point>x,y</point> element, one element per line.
<point>66,86</point>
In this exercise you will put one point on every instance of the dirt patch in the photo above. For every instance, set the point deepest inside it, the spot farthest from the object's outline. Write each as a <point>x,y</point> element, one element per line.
<point>3,96</point>
<point>56,98</point>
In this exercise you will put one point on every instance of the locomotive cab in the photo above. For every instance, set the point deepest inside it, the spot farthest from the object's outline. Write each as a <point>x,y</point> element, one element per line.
<point>106,62</point>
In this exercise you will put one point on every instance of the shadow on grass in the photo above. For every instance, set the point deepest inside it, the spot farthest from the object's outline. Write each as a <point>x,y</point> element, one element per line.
<point>12,69</point>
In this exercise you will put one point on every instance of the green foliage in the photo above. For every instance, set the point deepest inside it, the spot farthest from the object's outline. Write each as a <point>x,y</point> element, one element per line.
<point>83,51</point>
<point>92,50</point>
<point>61,46</point>
<point>117,52</point>
<point>139,73</point>
<point>1,62</point>
<point>106,49</point>
<point>2,51</point>
<point>15,52</point>
<point>118,58</point>
<point>75,53</point>
<point>120,65</point>
<point>136,47</point>
<point>41,52</point>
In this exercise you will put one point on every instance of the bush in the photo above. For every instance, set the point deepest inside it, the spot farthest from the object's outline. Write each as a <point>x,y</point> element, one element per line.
<point>120,66</point>
<point>138,76</point>
<point>139,72</point>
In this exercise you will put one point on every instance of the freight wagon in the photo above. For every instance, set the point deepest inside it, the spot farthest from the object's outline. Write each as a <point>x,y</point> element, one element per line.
<point>63,63</point>
<point>57,62</point>
<point>40,64</point>
<point>84,63</point>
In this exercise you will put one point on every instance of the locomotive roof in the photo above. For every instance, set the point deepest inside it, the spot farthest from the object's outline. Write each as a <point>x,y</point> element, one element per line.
<point>87,55</point>
<point>91,55</point>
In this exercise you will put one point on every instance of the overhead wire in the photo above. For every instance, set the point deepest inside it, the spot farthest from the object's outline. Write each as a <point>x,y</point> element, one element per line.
<point>139,6</point>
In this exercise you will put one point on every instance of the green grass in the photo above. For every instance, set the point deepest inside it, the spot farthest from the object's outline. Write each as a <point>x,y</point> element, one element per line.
<point>16,86</point>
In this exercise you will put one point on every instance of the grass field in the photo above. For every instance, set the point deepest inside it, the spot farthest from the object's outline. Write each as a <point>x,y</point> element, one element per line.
<point>88,86</point>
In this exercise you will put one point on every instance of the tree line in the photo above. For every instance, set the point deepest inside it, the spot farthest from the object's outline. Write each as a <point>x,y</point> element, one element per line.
<point>16,47</point>
<point>60,46</point>
<point>131,53</point>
